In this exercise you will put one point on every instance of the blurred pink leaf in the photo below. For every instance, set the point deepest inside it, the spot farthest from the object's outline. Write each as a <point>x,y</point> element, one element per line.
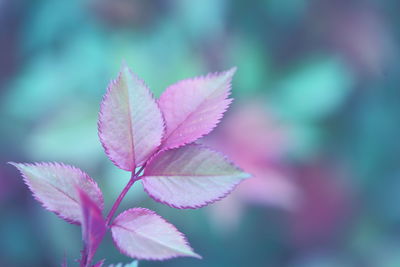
<point>268,187</point>
<point>142,234</point>
<point>271,187</point>
<point>260,152</point>
<point>326,205</point>
<point>54,185</point>
<point>130,123</point>
<point>190,177</point>
<point>226,214</point>
<point>193,107</point>
<point>93,226</point>
<point>266,138</point>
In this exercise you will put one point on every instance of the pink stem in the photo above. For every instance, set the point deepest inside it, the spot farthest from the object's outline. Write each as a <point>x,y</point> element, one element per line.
<point>84,260</point>
<point>134,178</point>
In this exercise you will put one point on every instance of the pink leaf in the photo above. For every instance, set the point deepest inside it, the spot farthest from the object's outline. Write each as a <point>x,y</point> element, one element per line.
<point>93,226</point>
<point>54,185</point>
<point>193,107</point>
<point>130,123</point>
<point>190,177</point>
<point>142,234</point>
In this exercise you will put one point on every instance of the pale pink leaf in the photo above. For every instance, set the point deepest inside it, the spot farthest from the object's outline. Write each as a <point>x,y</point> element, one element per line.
<point>93,226</point>
<point>190,177</point>
<point>193,107</point>
<point>130,123</point>
<point>54,185</point>
<point>142,234</point>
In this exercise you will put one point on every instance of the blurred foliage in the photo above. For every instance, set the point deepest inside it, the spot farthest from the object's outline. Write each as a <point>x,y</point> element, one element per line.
<point>327,71</point>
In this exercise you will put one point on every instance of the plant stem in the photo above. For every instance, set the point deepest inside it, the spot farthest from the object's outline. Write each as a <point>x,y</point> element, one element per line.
<point>134,178</point>
<point>84,262</point>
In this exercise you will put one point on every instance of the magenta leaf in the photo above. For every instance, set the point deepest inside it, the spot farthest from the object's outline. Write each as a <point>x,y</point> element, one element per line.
<point>93,226</point>
<point>193,107</point>
<point>54,185</point>
<point>190,177</point>
<point>142,234</point>
<point>130,123</point>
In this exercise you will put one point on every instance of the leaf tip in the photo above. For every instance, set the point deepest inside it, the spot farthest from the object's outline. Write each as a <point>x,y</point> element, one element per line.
<point>195,255</point>
<point>232,71</point>
<point>15,164</point>
<point>246,175</point>
<point>21,167</point>
<point>124,67</point>
<point>123,63</point>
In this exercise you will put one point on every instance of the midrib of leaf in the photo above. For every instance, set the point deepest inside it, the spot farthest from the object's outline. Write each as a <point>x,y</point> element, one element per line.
<point>151,239</point>
<point>64,193</point>
<point>130,126</point>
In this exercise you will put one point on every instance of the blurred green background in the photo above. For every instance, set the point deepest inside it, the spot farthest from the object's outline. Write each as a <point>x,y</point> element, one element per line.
<point>315,119</point>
